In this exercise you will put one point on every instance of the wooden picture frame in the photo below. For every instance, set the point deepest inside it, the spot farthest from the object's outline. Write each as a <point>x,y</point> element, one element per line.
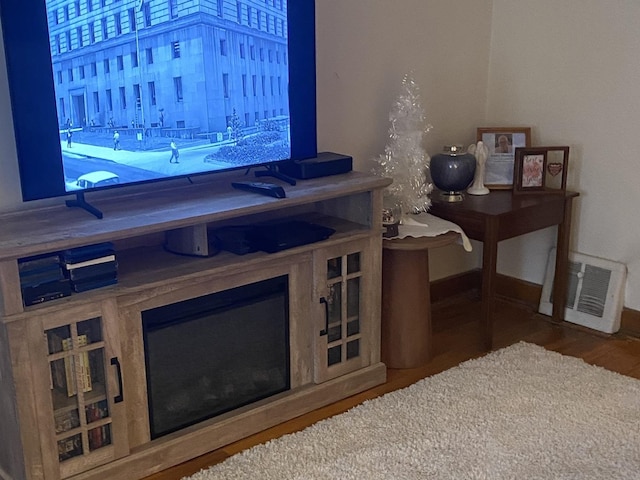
<point>502,142</point>
<point>540,170</point>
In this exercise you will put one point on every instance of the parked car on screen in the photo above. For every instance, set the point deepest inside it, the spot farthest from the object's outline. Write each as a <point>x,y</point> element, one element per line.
<point>99,178</point>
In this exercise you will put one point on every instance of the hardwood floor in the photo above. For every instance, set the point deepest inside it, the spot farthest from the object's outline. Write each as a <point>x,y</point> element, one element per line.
<point>456,339</point>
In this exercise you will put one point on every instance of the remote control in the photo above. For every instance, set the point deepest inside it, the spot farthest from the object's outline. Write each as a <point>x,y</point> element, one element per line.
<point>263,188</point>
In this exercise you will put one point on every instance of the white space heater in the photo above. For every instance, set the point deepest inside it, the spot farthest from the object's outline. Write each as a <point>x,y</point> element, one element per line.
<point>595,291</point>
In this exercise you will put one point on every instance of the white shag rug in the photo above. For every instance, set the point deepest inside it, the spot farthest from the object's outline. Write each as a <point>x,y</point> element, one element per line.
<point>518,413</point>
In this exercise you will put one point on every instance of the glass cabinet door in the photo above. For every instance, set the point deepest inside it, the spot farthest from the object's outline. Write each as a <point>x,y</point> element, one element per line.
<point>78,386</point>
<point>342,339</point>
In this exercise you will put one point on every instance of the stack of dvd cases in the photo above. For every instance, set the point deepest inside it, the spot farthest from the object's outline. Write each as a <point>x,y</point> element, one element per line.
<point>42,279</point>
<point>90,266</point>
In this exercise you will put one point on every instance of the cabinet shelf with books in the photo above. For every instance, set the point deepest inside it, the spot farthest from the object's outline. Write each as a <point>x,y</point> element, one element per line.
<point>81,413</point>
<point>63,403</point>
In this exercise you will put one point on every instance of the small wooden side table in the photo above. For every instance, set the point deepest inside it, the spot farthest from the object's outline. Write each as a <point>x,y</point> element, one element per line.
<point>502,215</point>
<point>406,299</point>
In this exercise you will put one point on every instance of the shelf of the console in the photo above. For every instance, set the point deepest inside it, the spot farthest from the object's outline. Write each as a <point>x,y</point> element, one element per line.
<point>55,228</point>
<point>142,268</point>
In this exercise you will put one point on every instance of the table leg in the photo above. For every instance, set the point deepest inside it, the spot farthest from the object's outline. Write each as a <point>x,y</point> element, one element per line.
<point>489,261</point>
<point>561,273</point>
<point>406,308</point>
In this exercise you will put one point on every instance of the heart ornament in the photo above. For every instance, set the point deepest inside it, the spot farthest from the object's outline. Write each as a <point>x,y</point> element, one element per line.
<point>554,168</point>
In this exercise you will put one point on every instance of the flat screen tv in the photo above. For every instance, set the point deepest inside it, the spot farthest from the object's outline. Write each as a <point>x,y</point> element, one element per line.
<point>107,93</point>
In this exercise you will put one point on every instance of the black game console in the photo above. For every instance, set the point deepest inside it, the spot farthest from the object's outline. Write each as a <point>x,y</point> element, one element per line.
<point>281,236</point>
<point>234,239</point>
<point>325,164</point>
<point>270,238</point>
<point>32,295</point>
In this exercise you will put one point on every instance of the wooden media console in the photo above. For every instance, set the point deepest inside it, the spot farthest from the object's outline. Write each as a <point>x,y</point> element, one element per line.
<point>94,340</point>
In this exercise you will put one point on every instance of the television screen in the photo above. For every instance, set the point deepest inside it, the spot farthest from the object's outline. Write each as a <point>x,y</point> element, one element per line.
<point>109,93</point>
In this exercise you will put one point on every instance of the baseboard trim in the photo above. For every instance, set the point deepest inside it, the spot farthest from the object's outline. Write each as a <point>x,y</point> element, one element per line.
<point>630,322</point>
<point>455,285</point>
<point>517,290</point>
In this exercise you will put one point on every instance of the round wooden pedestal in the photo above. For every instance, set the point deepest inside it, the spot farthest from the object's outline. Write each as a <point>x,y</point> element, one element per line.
<point>406,300</point>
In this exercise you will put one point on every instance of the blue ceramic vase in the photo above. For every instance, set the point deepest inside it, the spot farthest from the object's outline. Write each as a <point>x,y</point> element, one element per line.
<point>452,170</point>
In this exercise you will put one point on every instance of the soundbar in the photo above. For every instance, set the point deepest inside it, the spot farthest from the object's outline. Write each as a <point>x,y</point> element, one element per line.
<point>325,164</point>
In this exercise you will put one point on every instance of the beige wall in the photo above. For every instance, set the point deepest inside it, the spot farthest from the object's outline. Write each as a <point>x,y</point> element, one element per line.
<point>364,47</point>
<point>571,70</point>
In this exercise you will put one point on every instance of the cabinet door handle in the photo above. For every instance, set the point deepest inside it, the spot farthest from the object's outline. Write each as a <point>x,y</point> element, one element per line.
<point>326,317</point>
<point>118,398</point>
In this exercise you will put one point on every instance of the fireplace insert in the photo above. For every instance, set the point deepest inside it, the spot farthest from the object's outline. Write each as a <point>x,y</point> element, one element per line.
<point>212,354</point>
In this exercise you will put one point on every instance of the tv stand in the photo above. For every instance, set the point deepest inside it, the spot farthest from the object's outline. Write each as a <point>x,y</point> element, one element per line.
<point>80,202</point>
<point>272,171</point>
<point>101,427</point>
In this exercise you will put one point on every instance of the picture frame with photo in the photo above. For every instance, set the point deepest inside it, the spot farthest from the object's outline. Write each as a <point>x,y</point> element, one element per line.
<point>540,170</point>
<point>502,142</point>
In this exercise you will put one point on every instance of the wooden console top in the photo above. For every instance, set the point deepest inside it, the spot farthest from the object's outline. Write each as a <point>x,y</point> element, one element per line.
<point>54,228</point>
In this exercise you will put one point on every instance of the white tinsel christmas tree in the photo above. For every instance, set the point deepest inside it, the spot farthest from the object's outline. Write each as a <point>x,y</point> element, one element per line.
<point>404,158</point>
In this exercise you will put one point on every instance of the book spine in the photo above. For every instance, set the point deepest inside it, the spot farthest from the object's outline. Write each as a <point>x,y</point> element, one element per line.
<point>84,367</point>
<point>86,250</point>
<point>69,368</point>
<point>56,368</point>
<point>67,420</point>
<point>28,264</point>
<point>58,376</point>
<point>91,271</point>
<point>95,437</point>
<point>86,263</point>
<point>92,284</point>
<point>33,280</point>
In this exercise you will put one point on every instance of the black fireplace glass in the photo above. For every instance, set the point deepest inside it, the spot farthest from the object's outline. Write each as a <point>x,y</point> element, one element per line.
<point>213,354</point>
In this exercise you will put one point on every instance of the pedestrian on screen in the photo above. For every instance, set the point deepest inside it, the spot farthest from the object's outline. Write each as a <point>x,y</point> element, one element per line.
<point>174,152</point>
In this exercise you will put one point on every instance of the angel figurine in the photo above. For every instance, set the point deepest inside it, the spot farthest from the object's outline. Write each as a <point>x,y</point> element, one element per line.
<point>481,152</point>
